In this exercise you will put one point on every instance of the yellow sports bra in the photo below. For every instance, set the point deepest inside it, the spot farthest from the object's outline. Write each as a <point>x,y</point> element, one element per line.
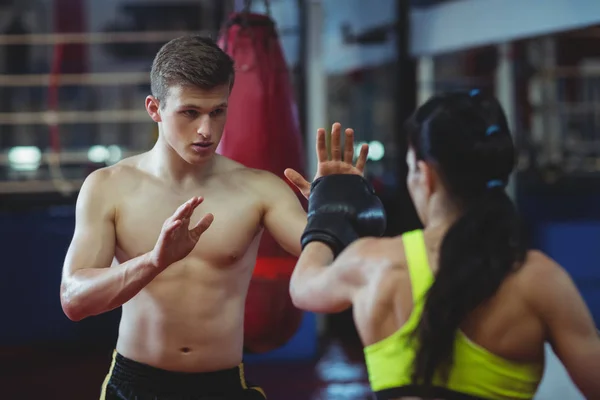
<point>475,371</point>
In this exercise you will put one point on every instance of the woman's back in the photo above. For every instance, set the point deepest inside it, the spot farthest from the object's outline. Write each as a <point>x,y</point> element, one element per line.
<point>506,324</point>
<point>502,332</point>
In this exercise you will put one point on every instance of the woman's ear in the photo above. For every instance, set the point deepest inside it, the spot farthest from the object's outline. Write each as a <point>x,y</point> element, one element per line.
<point>427,177</point>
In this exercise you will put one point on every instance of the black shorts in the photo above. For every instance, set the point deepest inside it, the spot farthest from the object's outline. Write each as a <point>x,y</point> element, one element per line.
<point>414,391</point>
<point>130,380</point>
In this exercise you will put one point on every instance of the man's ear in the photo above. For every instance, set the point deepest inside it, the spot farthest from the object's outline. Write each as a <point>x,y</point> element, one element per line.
<point>153,108</point>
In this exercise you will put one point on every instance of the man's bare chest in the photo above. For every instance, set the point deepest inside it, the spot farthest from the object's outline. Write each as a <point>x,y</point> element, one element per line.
<point>237,221</point>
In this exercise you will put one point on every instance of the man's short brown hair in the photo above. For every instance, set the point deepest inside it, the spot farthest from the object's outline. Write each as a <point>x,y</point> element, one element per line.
<point>190,61</point>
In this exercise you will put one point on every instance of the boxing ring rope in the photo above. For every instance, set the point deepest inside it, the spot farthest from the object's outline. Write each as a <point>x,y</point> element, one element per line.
<point>94,37</point>
<point>36,186</point>
<point>71,157</point>
<point>73,117</point>
<point>137,115</point>
<point>87,79</point>
<point>44,186</point>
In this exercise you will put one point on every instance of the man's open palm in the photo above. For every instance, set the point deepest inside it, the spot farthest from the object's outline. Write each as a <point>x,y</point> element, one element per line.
<point>339,163</point>
<point>176,240</point>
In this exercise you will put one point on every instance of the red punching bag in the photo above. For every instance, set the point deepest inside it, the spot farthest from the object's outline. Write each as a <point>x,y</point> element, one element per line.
<point>262,132</point>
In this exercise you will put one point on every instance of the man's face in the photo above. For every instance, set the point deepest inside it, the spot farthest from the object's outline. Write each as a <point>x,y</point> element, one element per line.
<point>192,120</point>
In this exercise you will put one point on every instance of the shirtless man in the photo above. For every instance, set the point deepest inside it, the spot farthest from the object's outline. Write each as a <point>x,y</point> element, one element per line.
<point>184,225</point>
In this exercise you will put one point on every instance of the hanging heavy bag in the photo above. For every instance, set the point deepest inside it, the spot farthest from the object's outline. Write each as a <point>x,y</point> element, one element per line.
<point>262,132</point>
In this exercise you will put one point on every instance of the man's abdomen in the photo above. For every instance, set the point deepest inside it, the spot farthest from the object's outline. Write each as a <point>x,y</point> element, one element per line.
<point>184,327</point>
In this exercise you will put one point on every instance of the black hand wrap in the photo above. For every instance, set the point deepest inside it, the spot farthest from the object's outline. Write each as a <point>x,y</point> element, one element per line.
<point>341,209</point>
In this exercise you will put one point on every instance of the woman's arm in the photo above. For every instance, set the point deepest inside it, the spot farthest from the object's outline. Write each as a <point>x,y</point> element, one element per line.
<point>322,285</point>
<point>570,326</point>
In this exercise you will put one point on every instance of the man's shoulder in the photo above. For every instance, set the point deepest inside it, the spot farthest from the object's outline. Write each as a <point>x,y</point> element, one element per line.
<point>113,176</point>
<point>260,181</point>
<point>243,174</point>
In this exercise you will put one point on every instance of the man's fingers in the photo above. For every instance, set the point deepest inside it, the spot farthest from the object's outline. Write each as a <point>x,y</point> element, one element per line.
<point>349,146</point>
<point>202,225</point>
<point>186,209</point>
<point>336,137</point>
<point>362,157</point>
<point>297,179</point>
<point>195,202</point>
<point>181,210</point>
<point>171,228</point>
<point>321,146</point>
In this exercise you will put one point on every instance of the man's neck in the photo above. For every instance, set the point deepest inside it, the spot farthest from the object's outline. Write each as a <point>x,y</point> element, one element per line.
<point>165,163</point>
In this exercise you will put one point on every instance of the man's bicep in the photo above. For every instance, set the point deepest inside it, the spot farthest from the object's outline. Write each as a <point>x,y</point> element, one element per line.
<point>93,242</point>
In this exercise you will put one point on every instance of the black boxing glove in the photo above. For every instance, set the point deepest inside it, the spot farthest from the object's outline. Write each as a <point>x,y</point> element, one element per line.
<point>341,209</point>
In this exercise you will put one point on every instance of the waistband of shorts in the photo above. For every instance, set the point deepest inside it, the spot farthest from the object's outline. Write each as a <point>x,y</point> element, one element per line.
<point>132,374</point>
<point>421,392</point>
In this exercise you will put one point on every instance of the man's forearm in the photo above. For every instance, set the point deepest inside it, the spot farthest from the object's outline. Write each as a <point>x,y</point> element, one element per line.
<point>93,291</point>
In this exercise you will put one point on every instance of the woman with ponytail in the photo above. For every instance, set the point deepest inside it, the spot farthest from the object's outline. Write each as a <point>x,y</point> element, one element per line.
<point>460,309</point>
